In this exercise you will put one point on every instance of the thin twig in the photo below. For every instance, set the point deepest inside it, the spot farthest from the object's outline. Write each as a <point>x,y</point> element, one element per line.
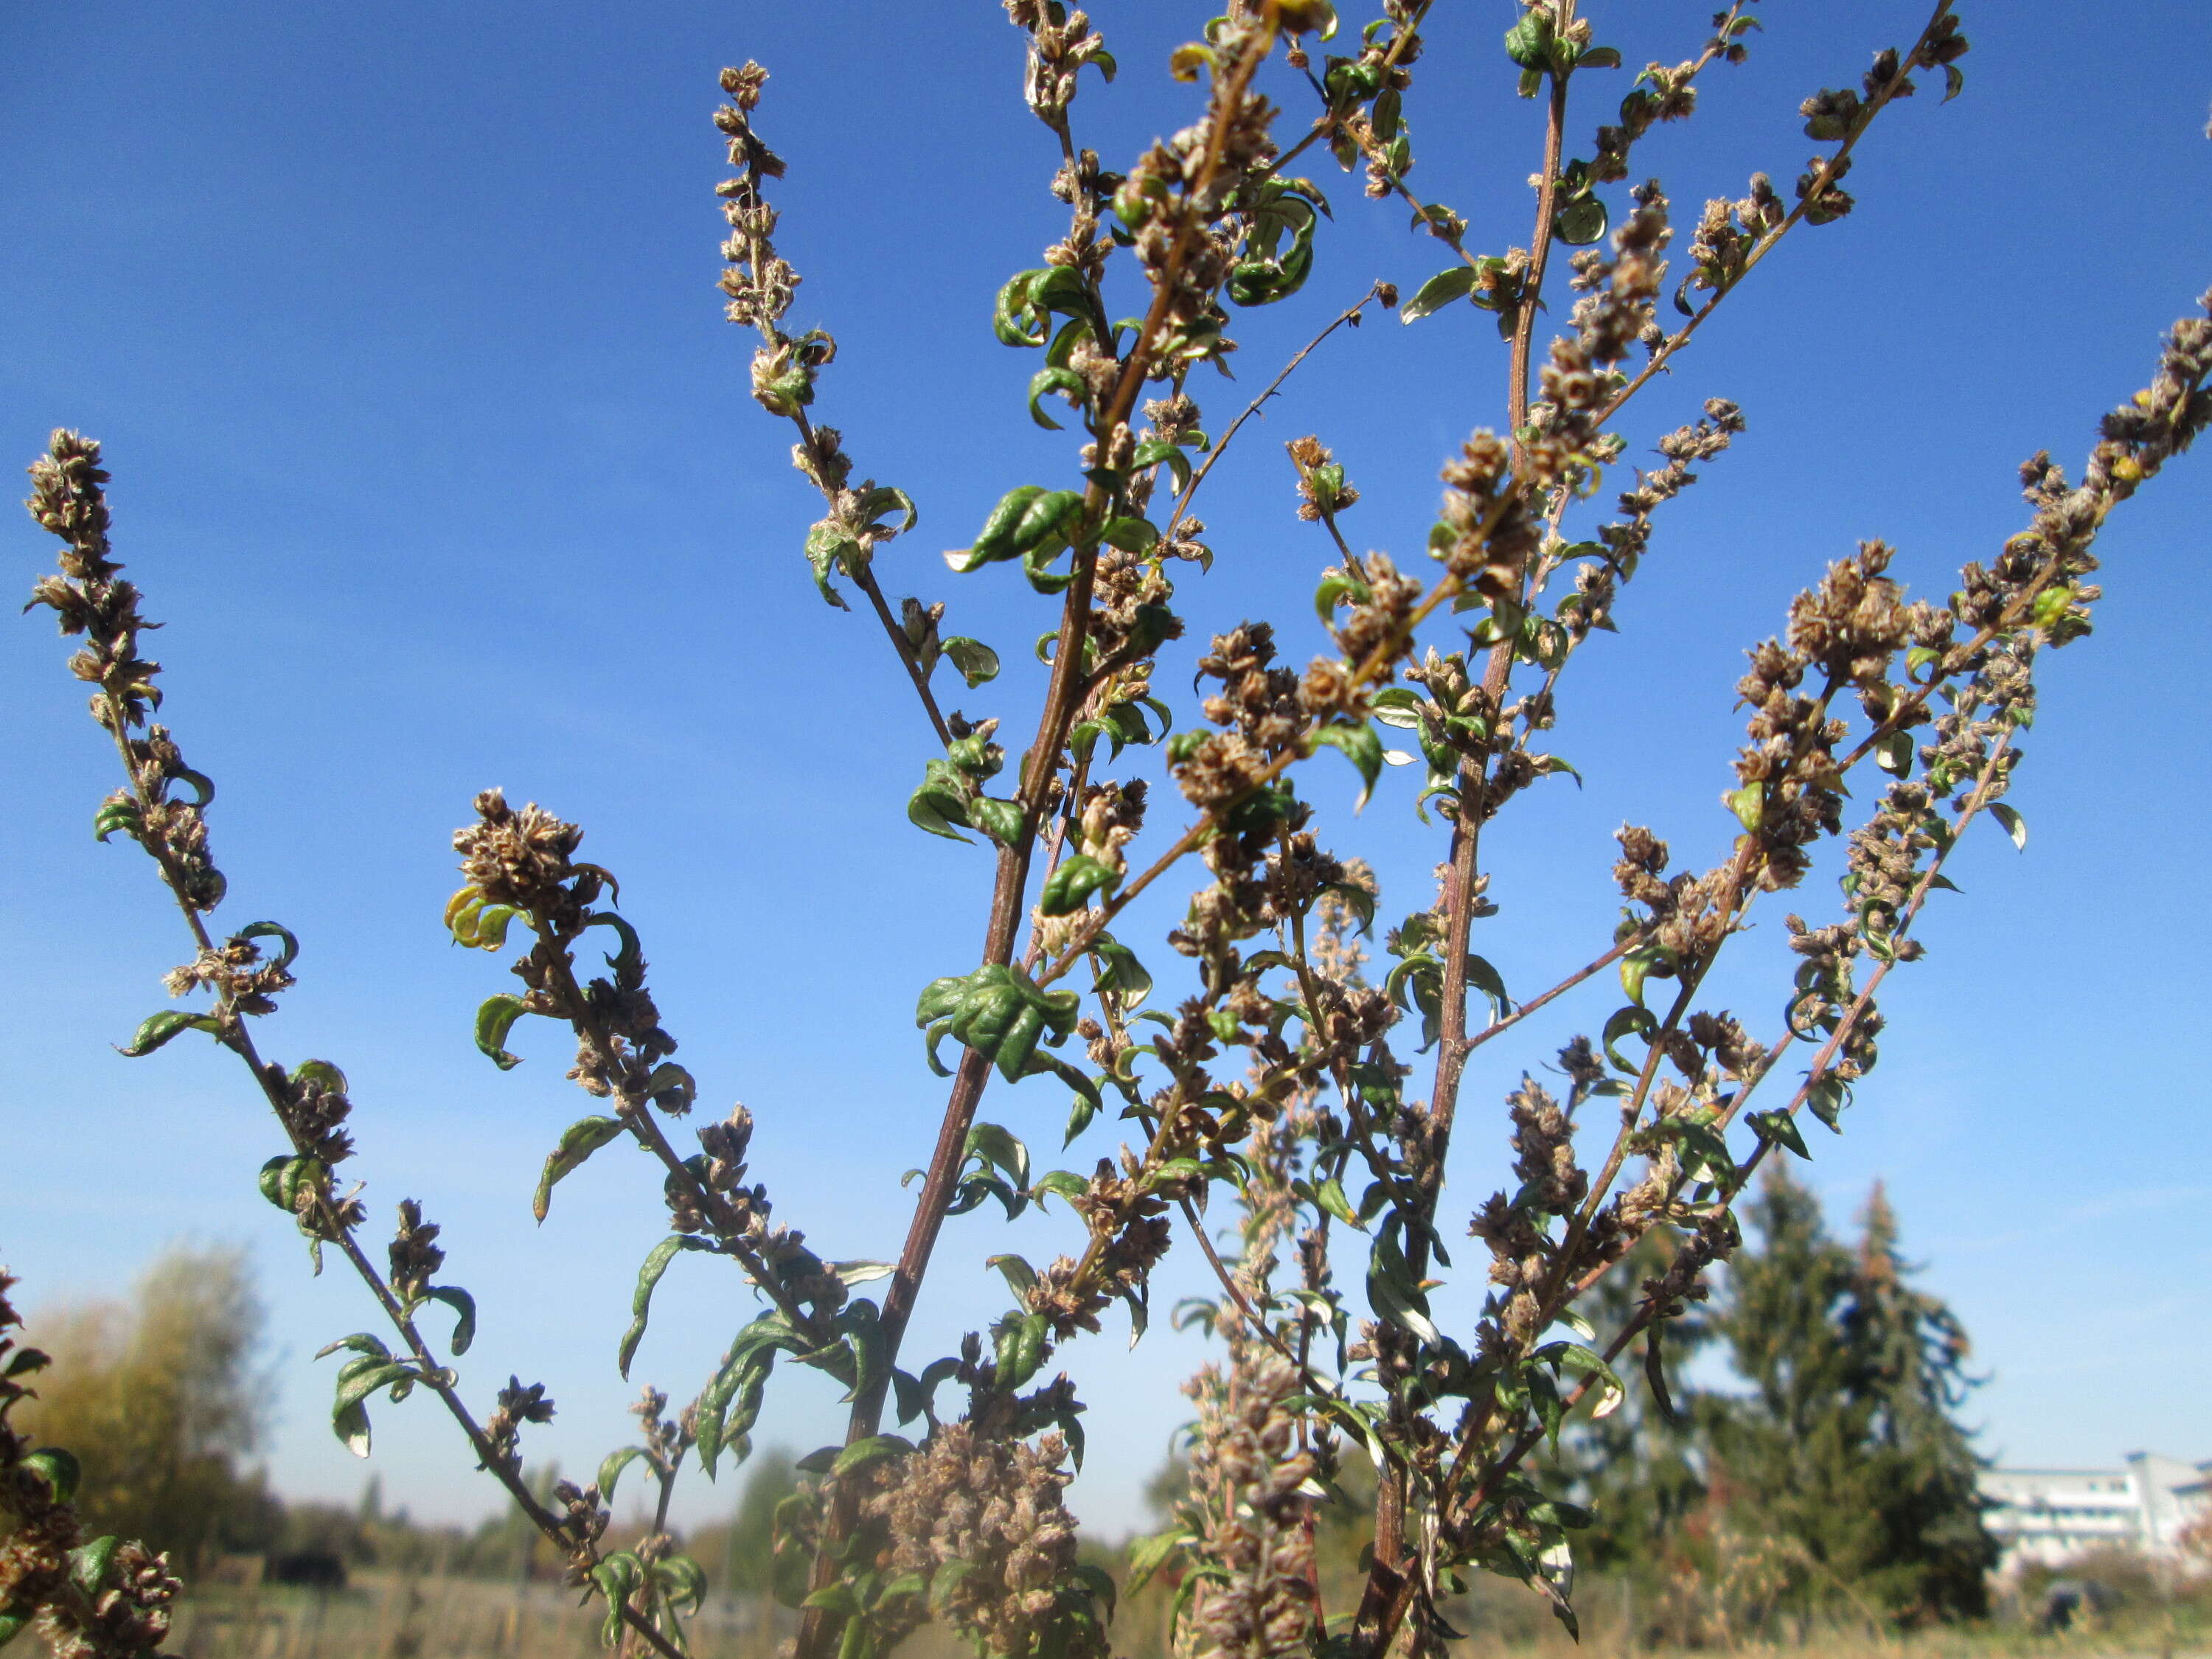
<point>1221,444</point>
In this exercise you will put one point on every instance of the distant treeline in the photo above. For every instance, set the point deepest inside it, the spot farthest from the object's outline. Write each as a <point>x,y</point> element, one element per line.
<point>1828,1477</point>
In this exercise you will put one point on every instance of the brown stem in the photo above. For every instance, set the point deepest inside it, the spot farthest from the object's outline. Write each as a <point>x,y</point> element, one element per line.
<point>1391,1493</point>
<point>240,1041</point>
<point>636,1114</point>
<point>1010,885</point>
<point>866,582</point>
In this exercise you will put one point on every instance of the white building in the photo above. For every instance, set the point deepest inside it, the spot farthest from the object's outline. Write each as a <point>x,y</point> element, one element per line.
<point>2047,1516</point>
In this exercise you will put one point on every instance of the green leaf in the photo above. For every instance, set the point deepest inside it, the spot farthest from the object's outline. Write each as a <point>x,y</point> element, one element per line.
<point>57,1467</point>
<point>1018,1349</point>
<point>1439,291</point>
<point>995,541</point>
<point>158,1029</point>
<point>578,1142</point>
<point>1020,1277</point>
<point>1599,58</point>
<point>1155,451</point>
<point>1749,805</point>
<point>861,1272</point>
<point>13,1624</point>
<point>671,1087</point>
<point>998,1012</point>
<point>276,931</point>
<point>360,1377</point>
<point>1826,1099</point>
<point>630,957</point>
<point>1001,820</point>
<point>464,1306</point>
<point>975,660</point>
<point>1580,222</point>
<point>1067,383</point>
<point>617,1578</point>
<point>360,1342</point>
<point>1080,1111</point>
<point>350,1425</point>
<point>1487,980</point>
<point>89,1564</point>
<point>2015,825</point>
<point>1130,535</point>
<point>882,499</point>
<point>1637,1018</point>
<point>1529,42</point>
<point>1357,899</point>
<point>610,1470</point>
<point>1781,1128</point>
<point>122,815</point>
<point>1330,1195</point>
<point>1148,1555</point>
<point>1121,973</point>
<point>1361,746</point>
<point>640,1302</point>
<point>830,546</point>
<point>283,1178</point>
<point>992,1143</point>
<point>1641,963</point>
<point>1073,880</point>
<point>874,1448</point>
<point>683,1582</point>
<point>494,1021</point>
<point>1396,706</point>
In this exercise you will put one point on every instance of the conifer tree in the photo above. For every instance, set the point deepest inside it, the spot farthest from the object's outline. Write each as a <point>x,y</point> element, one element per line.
<point>1847,1445</point>
<point>1909,1354</point>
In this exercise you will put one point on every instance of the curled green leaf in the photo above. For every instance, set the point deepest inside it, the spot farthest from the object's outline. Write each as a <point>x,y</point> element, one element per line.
<point>495,1020</point>
<point>1072,882</point>
<point>1065,381</point>
<point>578,1142</point>
<point>975,660</point>
<point>159,1029</point>
<point>465,1307</point>
<point>1439,291</point>
<point>640,1302</point>
<point>56,1467</point>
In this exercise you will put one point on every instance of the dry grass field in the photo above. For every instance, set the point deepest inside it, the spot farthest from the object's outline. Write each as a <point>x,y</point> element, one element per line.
<point>385,1616</point>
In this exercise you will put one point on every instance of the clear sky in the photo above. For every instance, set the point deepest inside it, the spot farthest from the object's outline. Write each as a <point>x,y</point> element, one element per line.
<point>432,448</point>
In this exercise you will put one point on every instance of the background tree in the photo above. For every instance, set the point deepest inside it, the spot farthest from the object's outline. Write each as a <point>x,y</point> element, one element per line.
<point>1908,1355</point>
<point>160,1401</point>
<point>1846,1444</point>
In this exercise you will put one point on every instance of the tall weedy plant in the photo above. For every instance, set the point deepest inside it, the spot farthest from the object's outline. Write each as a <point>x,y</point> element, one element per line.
<point>1276,1075</point>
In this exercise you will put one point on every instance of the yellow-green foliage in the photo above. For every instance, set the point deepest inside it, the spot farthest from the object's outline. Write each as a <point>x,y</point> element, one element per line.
<point>158,1400</point>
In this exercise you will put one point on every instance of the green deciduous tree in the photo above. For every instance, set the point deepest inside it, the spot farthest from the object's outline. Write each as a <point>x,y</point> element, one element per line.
<point>159,1399</point>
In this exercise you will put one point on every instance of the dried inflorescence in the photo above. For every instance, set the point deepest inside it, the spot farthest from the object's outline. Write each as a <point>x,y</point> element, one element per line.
<point>518,1403</point>
<point>69,499</point>
<point>981,1522</point>
<point>1250,1513</point>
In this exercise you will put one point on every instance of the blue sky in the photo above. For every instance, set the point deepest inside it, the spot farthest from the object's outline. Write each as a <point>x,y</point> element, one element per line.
<point>434,452</point>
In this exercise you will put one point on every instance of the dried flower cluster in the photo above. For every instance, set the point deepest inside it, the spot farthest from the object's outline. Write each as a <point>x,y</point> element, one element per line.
<point>979,1521</point>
